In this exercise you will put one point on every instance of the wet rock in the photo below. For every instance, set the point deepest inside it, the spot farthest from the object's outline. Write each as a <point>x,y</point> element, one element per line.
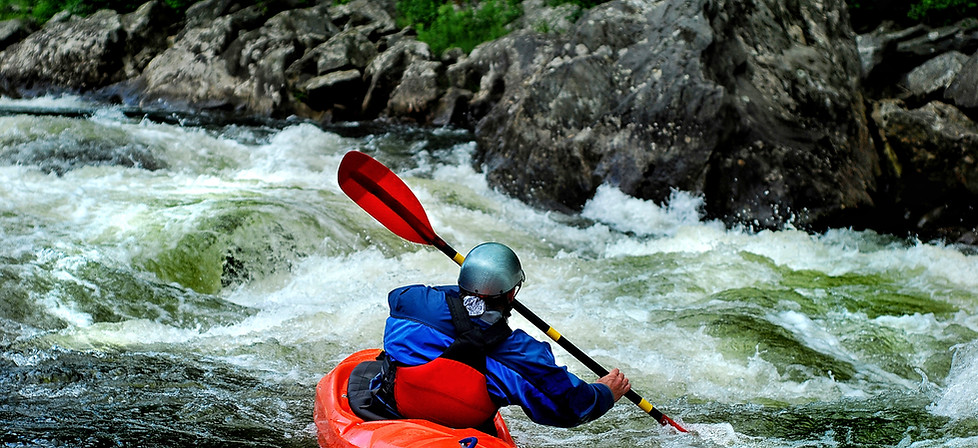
<point>937,143</point>
<point>417,94</point>
<point>385,71</point>
<point>934,76</point>
<point>934,162</point>
<point>452,107</point>
<point>222,64</point>
<point>334,93</point>
<point>709,97</point>
<point>963,90</point>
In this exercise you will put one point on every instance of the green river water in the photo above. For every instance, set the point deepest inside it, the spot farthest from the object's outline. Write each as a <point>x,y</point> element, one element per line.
<point>179,285</point>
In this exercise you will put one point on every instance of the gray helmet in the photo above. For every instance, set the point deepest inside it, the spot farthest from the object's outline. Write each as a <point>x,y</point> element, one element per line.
<point>490,269</point>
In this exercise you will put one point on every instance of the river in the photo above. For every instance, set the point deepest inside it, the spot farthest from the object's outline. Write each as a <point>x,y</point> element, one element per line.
<point>165,283</point>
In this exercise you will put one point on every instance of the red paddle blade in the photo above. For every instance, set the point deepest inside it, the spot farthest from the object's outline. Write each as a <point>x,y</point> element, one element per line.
<point>672,423</point>
<point>376,189</point>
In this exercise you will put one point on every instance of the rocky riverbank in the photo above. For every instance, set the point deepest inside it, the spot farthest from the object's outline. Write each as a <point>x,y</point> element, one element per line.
<point>776,113</point>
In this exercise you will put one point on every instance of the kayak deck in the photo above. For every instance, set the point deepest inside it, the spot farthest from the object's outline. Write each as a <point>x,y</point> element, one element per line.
<point>338,427</point>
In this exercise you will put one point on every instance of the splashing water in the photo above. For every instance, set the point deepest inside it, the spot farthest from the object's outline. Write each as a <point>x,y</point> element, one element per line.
<point>178,285</point>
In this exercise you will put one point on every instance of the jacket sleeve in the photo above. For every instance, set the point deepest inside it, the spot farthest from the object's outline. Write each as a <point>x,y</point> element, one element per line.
<point>523,372</point>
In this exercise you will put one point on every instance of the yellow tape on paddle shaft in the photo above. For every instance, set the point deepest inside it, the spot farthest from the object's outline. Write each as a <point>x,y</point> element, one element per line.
<point>646,406</point>
<point>458,258</point>
<point>554,334</point>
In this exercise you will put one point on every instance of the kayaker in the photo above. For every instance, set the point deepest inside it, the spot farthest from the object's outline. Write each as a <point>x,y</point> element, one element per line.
<point>451,358</point>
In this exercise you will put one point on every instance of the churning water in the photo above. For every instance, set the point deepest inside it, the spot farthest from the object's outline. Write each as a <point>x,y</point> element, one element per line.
<point>168,285</point>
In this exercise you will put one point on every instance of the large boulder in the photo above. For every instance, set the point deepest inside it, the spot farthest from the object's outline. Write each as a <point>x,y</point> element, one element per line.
<point>963,88</point>
<point>73,54</point>
<point>933,160</point>
<point>932,77</point>
<point>756,106</point>
<point>85,54</point>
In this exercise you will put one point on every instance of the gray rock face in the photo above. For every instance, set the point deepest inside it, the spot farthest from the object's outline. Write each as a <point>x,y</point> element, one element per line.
<point>963,89</point>
<point>933,76</point>
<point>84,54</point>
<point>75,54</point>
<point>13,31</point>
<point>708,97</point>
<point>933,152</point>
<point>223,64</point>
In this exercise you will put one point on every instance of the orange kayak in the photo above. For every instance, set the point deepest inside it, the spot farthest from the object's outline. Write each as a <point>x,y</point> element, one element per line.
<point>339,427</point>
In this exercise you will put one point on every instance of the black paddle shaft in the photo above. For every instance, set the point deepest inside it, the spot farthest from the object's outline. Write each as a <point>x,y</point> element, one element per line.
<point>588,362</point>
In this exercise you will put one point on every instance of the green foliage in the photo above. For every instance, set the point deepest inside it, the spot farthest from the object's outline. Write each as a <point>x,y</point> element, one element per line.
<point>41,11</point>
<point>943,11</point>
<point>867,14</point>
<point>445,25</point>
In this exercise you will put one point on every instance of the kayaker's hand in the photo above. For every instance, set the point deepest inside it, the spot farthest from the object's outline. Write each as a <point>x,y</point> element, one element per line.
<point>617,382</point>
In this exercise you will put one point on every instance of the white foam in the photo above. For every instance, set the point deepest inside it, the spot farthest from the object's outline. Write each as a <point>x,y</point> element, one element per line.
<point>644,218</point>
<point>47,102</point>
<point>627,283</point>
<point>960,397</point>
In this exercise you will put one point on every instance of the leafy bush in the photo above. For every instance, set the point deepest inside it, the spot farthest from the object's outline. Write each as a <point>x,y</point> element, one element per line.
<point>943,11</point>
<point>41,11</point>
<point>867,14</point>
<point>444,25</point>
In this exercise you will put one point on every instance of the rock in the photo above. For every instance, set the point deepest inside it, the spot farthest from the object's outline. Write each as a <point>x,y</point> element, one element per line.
<point>888,55</point>
<point>548,17</point>
<point>191,73</point>
<point>260,57</point>
<point>492,67</point>
<point>934,159</point>
<point>937,144</point>
<point>334,93</point>
<point>346,50</point>
<point>963,89</point>
<point>147,30</point>
<point>345,53</point>
<point>77,54</point>
<point>225,65</point>
<point>12,31</point>
<point>452,107</point>
<point>962,37</point>
<point>768,125</point>
<point>417,94</point>
<point>934,76</point>
<point>371,18</point>
<point>386,70</point>
<point>881,44</point>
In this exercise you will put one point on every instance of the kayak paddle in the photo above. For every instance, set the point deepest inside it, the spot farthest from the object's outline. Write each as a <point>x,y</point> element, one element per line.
<point>382,194</point>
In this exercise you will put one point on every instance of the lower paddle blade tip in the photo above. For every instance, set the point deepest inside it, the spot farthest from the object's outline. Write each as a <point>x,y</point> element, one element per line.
<point>668,421</point>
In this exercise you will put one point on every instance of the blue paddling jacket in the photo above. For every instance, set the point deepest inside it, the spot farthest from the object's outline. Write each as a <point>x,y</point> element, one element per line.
<point>519,371</point>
